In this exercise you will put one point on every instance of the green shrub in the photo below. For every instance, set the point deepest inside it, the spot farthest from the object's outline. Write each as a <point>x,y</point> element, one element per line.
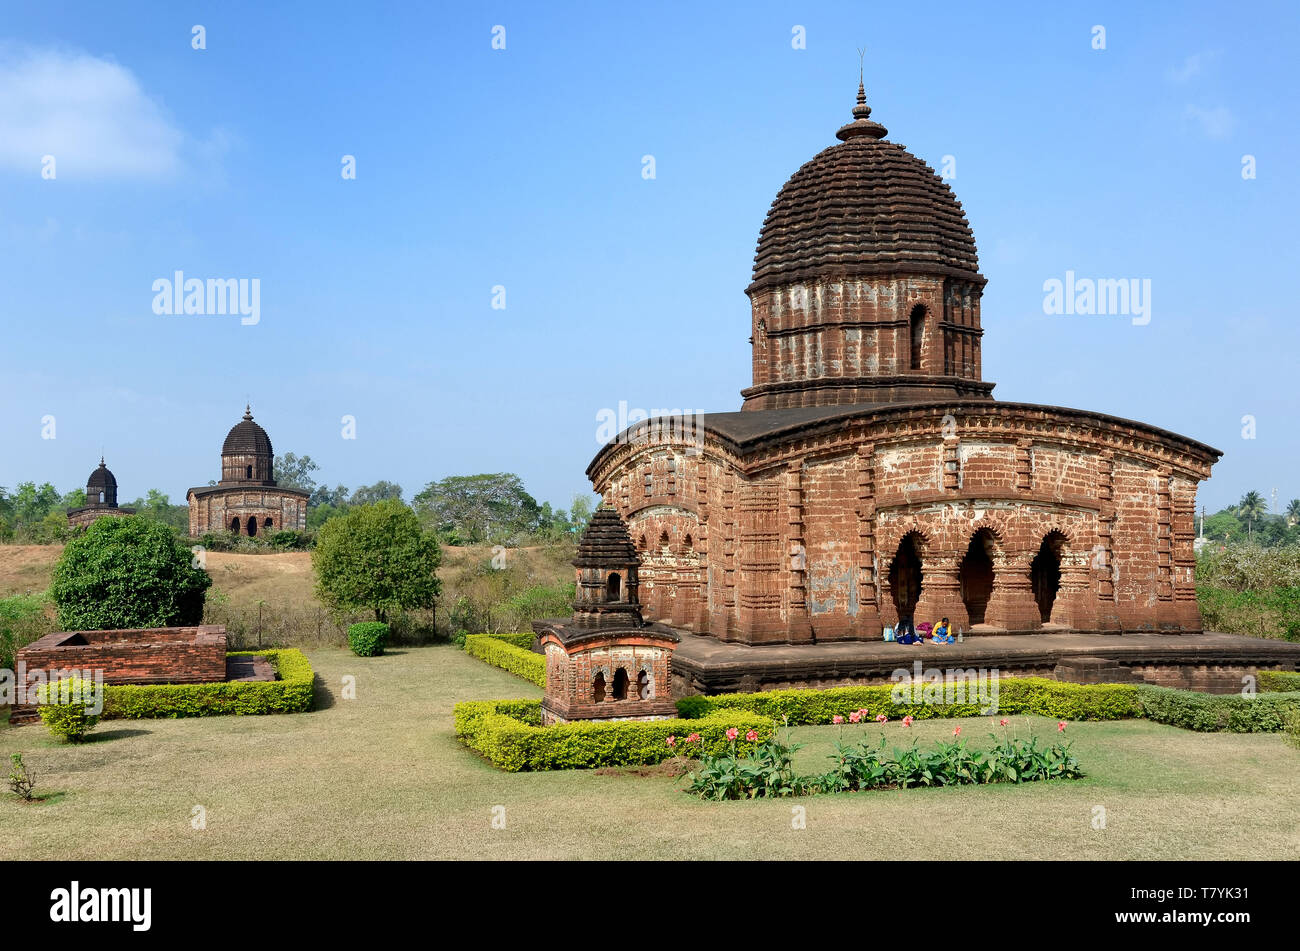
<point>1291,727</point>
<point>500,653</point>
<point>69,708</point>
<point>508,734</point>
<point>521,639</point>
<point>124,573</point>
<point>367,639</point>
<point>291,692</point>
<point>1015,695</point>
<point>1279,681</point>
<point>1203,712</point>
<point>22,620</point>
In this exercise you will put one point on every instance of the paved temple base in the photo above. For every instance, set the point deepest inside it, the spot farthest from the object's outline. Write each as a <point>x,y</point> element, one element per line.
<point>1215,663</point>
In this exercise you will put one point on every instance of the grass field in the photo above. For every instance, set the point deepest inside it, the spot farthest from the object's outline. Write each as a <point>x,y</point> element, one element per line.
<point>382,776</point>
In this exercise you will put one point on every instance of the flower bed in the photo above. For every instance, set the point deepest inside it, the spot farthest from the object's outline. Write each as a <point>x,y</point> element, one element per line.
<point>508,733</point>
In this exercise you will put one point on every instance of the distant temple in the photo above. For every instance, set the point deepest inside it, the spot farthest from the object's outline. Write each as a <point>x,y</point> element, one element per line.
<point>101,499</point>
<point>246,501</point>
<point>870,474</point>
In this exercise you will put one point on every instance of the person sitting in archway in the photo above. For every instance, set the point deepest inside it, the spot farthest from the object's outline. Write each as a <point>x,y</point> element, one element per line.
<point>906,633</point>
<point>943,633</point>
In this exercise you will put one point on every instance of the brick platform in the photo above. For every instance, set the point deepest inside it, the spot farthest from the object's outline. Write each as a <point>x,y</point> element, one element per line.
<point>1214,663</point>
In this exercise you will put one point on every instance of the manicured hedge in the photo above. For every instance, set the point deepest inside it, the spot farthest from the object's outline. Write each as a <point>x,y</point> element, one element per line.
<point>522,639</point>
<point>508,733</point>
<point>367,638</point>
<point>1278,681</point>
<point>1016,695</point>
<point>291,692</point>
<point>500,653</point>
<point>1204,712</point>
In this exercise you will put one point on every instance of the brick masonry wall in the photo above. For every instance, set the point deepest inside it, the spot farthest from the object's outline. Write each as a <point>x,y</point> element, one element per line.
<point>154,655</point>
<point>793,539</point>
<point>214,511</point>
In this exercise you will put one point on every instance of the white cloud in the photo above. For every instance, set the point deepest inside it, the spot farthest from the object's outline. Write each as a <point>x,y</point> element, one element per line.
<point>1216,123</point>
<point>91,114</point>
<point>1192,67</point>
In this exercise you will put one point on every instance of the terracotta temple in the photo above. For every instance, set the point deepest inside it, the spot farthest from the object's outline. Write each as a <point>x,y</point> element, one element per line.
<point>870,474</point>
<point>101,499</point>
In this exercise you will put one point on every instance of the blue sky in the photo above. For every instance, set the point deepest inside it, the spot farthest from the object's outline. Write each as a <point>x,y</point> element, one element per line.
<point>522,168</point>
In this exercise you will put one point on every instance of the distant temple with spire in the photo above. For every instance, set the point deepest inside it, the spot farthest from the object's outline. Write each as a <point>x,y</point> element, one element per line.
<point>101,499</point>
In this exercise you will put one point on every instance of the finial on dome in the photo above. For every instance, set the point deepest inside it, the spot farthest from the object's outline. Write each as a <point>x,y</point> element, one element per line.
<point>248,411</point>
<point>861,124</point>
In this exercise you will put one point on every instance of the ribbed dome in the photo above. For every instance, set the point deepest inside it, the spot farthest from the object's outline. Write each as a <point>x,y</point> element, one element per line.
<point>864,207</point>
<point>247,437</point>
<point>606,542</point>
<point>102,478</point>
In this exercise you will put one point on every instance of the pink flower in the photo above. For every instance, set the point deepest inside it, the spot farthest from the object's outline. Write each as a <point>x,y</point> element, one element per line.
<point>693,738</point>
<point>957,731</point>
<point>881,718</point>
<point>672,741</point>
<point>1060,727</point>
<point>733,733</point>
<point>837,719</point>
<point>1002,722</point>
<point>752,736</point>
<point>854,717</point>
<point>907,720</point>
<point>862,712</point>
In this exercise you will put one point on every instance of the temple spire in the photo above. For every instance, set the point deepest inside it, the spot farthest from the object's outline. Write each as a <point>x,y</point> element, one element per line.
<point>861,124</point>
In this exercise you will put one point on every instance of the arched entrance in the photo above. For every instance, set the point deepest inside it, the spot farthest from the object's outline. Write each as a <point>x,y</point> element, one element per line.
<point>620,684</point>
<point>975,576</point>
<point>252,526</point>
<point>598,688</point>
<point>1045,573</point>
<point>612,587</point>
<point>905,576</point>
<point>234,524</point>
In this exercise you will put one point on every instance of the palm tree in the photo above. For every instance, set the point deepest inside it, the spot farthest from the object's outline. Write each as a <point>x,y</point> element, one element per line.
<point>1293,512</point>
<point>1251,507</point>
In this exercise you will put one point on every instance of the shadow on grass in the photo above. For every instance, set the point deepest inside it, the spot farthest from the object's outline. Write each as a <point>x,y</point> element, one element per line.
<point>104,736</point>
<point>322,698</point>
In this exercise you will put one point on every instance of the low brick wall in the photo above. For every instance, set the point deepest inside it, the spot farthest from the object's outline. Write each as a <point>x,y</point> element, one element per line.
<point>159,655</point>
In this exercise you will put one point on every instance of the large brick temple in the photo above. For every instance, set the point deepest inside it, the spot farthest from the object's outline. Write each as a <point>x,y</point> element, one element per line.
<point>870,473</point>
<point>247,500</point>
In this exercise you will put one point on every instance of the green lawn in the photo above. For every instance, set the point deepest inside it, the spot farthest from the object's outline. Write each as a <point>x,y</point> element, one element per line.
<point>382,776</point>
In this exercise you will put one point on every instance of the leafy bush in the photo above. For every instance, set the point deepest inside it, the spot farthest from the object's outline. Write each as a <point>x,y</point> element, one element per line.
<point>1036,695</point>
<point>22,778</point>
<point>22,620</point>
<point>1242,566</point>
<point>1291,727</point>
<point>69,708</point>
<point>1272,613</point>
<point>368,638</point>
<point>1203,712</point>
<point>291,692</point>
<point>124,573</point>
<point>501,653</point>
<point>1279,681</point>
<point>509,735</point>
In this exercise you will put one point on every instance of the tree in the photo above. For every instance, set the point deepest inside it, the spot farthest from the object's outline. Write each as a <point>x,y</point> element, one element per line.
<point>377,557</point>
<point>32,503</point>
<point>477,509</point>
<point>1251,508</point>
<point>294,472</point>
<point>157,506</point>
<point>127,572</point>
<point>324,495</point>
<point>1293,513</point>
<point>378,492</point>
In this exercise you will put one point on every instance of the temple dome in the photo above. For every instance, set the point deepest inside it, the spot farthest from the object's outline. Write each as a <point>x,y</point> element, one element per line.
<point>863,207</point>
<point>606,543</point>
<point>101,478</point>
<point>247,437</point>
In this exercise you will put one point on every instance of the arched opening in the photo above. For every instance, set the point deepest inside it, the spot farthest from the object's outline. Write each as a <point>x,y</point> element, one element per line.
<point>252,526</point>
<point>234,524</point>
<point>248,472</point>
<point>267,524</point>
<point>905,576</point>
<point>620,684</point>
<point>644,688</point>
<point>917,331</point>
<point>688,544</point>
<point>640,545</point>
<point>1045,573</point>
<point>101,497</point>
<point>598,688</point>
<point>975,576</point>
<point>663,541</point>
<point>613,587</point>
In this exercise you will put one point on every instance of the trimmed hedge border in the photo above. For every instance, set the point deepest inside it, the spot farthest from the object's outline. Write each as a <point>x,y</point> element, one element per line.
<point>291,692</point>
<point>499,652</point>
<point>523,639</point>
<point>508,733</point>
<point>1016,695</point>
<point>1212,713</point>
<point>1278,681</point>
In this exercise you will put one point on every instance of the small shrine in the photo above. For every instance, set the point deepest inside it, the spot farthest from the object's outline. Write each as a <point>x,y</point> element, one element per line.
<point>606,662</point>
